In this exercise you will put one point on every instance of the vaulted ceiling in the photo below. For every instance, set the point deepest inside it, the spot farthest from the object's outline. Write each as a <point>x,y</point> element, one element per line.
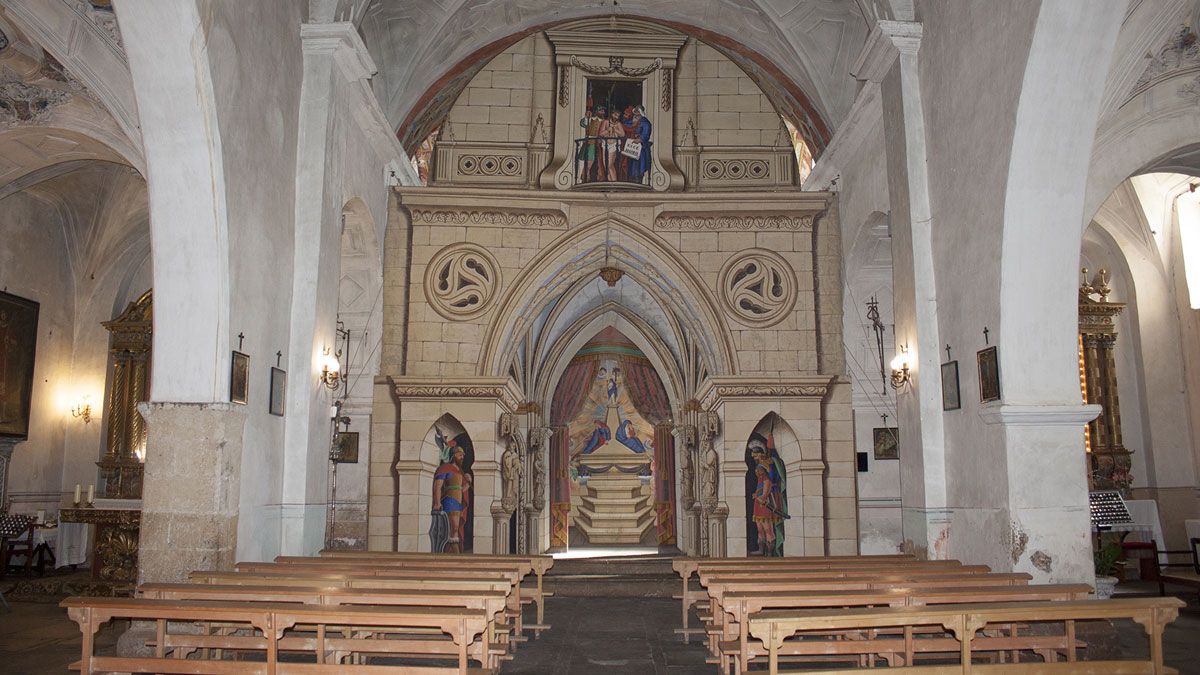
<point>420,45</point>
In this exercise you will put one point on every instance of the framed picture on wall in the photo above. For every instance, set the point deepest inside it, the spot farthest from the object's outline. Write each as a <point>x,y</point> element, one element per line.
<point>239,378</point>
<point>345,447</point>
<point>18,345</point>
<point>278,391</point>
<point>951,396</point>
<point>887,443</point>
<point>989,375</point>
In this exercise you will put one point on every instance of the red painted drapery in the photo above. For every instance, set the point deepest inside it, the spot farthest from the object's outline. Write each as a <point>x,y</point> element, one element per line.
<point>569,396</point>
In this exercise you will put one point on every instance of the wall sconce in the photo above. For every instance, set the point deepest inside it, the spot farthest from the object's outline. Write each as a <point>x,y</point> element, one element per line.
<point>900,375</point>
<point>331,369</point>
<point>83,409</point>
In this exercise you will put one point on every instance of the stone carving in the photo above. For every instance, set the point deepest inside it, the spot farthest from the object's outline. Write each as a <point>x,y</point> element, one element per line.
<point>616,64</point>
<point>710,425</point>
<point>564,86</point>
<point>758,287</point>
<point>710,475</point>
<point>102,17</point>
<point>22,103</point>
<point>510,478</point>
<point>404,391</point>
<point>1181,51</point>
<point>765,391</point>
<point>539,480</point>
<point>544,219</point>
<point>490,165</point>
<point>3,40</point>
<point>508,425</point>
<point>703,222</point>
<point>461,281</point>
<point>667,87</point>
<point>736,169</point>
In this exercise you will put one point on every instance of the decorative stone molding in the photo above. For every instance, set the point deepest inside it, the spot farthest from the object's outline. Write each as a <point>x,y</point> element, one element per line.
<point>500,389</point>
<point>886,42</point>
<point>735,169</point>
<point>692,222</point>
<point>461,281</point>
<point>758,287</point>
<point>716,390</point>
<point>1180,53</point>
<point>996,412</point>
<point>490,165</point>
<point>102,19</point>
<point>541,219</point>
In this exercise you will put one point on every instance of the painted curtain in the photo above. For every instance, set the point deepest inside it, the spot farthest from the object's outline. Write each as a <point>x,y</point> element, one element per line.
<point>650,397</point>
<point>568,399</point>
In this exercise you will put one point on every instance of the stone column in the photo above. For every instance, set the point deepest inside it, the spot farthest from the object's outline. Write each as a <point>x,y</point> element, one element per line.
<point>889,59</point>
<point>192,488</point>
<point>6,452</point>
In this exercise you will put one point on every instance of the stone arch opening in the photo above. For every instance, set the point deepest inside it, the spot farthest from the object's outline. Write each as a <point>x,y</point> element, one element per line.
<point>445,490</point>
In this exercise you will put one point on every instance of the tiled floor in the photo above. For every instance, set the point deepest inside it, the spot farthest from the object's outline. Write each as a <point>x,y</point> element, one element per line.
<point>589,635</point>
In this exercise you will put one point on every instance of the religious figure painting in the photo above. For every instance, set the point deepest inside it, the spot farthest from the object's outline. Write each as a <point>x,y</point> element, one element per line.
<point>887,442</point>
<point>450,530</point>
<point>766,494</point>
<point>239,378</point>
<point>18,343</point>
<point>616,134</point>
<point>989,375</point>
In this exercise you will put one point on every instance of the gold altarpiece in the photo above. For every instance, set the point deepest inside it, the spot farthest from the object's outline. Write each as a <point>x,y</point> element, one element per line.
<point>1108,458</point>
<point>129,366</point>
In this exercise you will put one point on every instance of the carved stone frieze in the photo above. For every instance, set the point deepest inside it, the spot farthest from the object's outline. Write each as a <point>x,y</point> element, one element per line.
<point>490,165</point>
<point>1181,52</point>
<point>758,287</point>
<point>681,221</point>
<point>736,169</point>
<point>541,219</point>
<point>101,16</point>
<point>716,390</point>
<point>492,388</point>
<point>461,281</point>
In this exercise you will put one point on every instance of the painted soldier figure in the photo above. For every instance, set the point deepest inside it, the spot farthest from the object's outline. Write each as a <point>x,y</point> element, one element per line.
<point>451,496</point>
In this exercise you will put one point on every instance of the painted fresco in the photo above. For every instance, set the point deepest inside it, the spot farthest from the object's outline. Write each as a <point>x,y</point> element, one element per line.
<point>453,491</point>
<point>616,134</point>
<point>612,464</point>
<point>766,493</point>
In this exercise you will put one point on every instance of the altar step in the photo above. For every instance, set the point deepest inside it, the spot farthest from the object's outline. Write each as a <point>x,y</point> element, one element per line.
<point>620,577</point>
<point>615,510</point>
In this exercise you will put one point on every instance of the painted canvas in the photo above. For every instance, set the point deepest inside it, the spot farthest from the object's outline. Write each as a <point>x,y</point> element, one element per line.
<point>613,458</point>
<point>766,493</point>
<point>18,346</point>
<point>887,443</point>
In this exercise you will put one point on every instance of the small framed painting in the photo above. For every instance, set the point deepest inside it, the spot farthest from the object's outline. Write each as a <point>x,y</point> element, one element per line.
<point>239,378</point>
<point>345,447</point>
<point>951,396</point>
<point>18,346</point>
<point>887,443</point>
<point>989,375</point>
<point>278,391</point>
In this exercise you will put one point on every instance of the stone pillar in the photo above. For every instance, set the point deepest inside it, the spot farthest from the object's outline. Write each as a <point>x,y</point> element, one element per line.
<point>191,490</point>
<point>6,452</point>
<point>500,528</point>
<point>889,59</point>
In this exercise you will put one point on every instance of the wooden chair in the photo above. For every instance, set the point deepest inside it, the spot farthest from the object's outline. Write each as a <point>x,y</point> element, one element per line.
<point>1185,572</point>
<point>16,538</point>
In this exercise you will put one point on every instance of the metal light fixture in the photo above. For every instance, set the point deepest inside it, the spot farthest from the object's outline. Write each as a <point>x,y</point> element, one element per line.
<point>83,409</point>
<point>900,375</point>
<point>331,368</point>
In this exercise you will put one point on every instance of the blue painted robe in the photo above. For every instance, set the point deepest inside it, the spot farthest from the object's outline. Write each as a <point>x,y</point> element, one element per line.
<point>638,167</point>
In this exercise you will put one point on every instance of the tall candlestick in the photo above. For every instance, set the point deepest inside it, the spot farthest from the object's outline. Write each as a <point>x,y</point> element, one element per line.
<point>91,494</point>
<point>77,495</point>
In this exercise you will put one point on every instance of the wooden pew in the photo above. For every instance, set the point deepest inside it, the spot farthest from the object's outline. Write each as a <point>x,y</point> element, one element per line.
<point>540,564</point>
<point>730,625</point>
<point>962,624</point>
<point>485,581</point>
<point>492,602</point>
<point>273,621</point>
<point>686,567</point>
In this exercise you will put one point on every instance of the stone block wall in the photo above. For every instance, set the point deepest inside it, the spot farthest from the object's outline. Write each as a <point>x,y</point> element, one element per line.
<point>502,102</point>
<point>722,103</point>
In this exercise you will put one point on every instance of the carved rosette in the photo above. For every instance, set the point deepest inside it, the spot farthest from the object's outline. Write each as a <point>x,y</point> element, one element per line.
<point>461,281</point>
<point>758,287</point>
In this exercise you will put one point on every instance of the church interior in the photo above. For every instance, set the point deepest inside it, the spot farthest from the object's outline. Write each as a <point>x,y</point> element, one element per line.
<point>451,336</point>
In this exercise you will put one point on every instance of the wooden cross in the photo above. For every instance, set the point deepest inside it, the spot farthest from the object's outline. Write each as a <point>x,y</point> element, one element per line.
<point>278,357</point>
<point>948,352</point>
<point>241,336</point>
<point>884,416</point>
<point>985,336</point>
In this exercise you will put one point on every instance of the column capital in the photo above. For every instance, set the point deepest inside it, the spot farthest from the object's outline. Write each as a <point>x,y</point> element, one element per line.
<point>1049,415</point>
<point>885,43</point>
<point>342,41</point>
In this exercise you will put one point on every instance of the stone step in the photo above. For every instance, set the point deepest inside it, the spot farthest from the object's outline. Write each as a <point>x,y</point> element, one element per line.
<point>648,576</point>
<point>622,505</point>
<point>636,523</point>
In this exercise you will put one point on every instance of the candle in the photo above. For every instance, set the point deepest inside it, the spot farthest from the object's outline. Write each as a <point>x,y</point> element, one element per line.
<point>41,516</point>
<point>77,493</point>
<point>91,494</point>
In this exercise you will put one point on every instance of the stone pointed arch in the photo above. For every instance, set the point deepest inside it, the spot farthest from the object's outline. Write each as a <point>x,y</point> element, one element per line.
<point>617,241</point>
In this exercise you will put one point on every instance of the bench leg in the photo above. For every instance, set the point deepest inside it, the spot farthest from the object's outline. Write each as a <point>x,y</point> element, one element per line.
<point>683,599</point>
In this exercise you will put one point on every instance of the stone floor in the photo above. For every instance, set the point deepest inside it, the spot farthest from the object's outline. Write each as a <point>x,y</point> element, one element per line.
<point>589,635</point>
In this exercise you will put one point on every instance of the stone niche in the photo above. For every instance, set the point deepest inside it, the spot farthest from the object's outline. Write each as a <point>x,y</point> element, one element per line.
<point>517,124</point>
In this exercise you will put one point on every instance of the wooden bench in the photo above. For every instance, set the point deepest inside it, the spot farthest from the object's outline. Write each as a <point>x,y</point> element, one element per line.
<point>729,629</point>
<point>540,564</point>
<point>483,582</point>
<point>275,628</point>
<point>958,631</point>
<point>492,602</point>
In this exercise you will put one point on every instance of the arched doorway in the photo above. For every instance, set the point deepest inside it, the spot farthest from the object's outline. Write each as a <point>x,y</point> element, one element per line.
<point>612,453</point>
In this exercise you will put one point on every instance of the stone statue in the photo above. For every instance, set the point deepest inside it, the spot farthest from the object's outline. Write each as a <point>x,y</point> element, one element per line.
<point>539,480</point>
<point>510,477</point>
<point>709,477</point>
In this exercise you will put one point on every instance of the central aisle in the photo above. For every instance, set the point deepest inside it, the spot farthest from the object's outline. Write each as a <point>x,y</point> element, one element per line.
<point>610,635</point>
